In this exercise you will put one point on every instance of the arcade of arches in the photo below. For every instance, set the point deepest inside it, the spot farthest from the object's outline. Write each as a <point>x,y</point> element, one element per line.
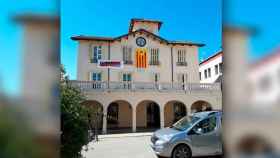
<point>121,116</point>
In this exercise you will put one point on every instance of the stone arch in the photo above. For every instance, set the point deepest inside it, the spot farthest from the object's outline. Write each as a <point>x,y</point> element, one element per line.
<point>95,115</point>
<point>201,105</point>
<point>119,116</point>
<point>147,115</point>
<point>173,111</point>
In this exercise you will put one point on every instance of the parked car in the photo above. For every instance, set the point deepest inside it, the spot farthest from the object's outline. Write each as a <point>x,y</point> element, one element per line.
<point>195,135</point>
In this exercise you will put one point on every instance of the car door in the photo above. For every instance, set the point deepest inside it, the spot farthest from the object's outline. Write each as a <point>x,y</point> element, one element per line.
<point>206,137</point>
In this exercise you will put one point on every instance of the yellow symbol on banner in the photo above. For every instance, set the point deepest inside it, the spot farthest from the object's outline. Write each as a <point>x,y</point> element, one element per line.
<point>141,58</point>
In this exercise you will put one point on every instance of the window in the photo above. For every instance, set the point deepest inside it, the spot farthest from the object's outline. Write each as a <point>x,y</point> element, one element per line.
<point>216,69</point>
<point>265,83</point>
<point>181,58</point>
<point>126,77</point>
<point>96,76</point>
<point>154,60</point>
<point>127,57</point>
<point>156,77</point>
<point>209,72</point>
<point>96,54</point>
<point>199,75</point>
<point>221,67</point>
<point>205,73</point>
<point>182,78</point>
<point>207,125</point>
<point>126,81</point>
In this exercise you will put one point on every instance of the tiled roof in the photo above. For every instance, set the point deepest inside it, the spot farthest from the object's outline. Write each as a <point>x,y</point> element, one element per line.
<point>96,38</point>
<point>81,37</point>
<point>270,58</point>
<point>211,57</point>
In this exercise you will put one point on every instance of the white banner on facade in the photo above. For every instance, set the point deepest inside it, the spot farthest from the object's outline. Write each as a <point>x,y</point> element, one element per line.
<point>114,64</point>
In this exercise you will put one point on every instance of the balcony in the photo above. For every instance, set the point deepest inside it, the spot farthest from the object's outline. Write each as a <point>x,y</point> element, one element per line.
<point>155,63</point>
<point>145,86</point>
<point>181,64</point>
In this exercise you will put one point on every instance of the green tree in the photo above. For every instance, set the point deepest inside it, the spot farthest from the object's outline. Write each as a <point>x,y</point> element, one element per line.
<point>74,120</point>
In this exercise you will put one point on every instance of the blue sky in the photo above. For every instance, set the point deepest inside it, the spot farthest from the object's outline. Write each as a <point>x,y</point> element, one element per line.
<point>11,39</point>
<point>194,20</point>
<point>260,15</point>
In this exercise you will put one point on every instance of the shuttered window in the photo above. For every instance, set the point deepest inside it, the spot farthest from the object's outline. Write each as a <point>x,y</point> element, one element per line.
<point>127,54</point>
<point>181,57</point>
<point>154,58</point>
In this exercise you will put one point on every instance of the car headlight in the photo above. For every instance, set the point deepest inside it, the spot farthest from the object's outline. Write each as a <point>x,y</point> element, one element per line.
<point>161,142</point>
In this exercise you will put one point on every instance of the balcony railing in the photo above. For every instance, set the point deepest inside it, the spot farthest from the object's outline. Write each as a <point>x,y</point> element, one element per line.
<point>144,86</point>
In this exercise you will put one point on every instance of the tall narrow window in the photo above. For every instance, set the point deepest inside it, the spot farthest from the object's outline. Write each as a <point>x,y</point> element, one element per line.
<point>127,81</point>
<point>205,73</point>
<point>199,75</point>
<point>182,79</point>
<point>181,57</point>
<point>156,77</point>
<point>221,67</point>
<point>96,77</point>
<point>127,57</point>
<point>209,72</point>
<point>154,58</point>
<point>216,69</point>
<point>97,54</point>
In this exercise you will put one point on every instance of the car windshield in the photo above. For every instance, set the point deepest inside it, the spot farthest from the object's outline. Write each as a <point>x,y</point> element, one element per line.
<point>185,123</point>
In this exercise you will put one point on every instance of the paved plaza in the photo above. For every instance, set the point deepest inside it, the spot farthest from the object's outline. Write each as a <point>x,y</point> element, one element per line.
<point>134,145</point>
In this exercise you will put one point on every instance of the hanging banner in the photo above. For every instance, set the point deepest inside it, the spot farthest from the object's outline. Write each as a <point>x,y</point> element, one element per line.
<point>114,64</point>
<point>141,57</point>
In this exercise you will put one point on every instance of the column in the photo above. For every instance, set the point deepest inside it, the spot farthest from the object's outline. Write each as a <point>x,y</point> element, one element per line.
<point>134,119</point>
<point>104,127</point>
<point>161,117</point>
<point>189,110</point>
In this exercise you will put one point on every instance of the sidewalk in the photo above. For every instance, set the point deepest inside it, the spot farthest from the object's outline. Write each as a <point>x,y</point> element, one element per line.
<point>105,136</point>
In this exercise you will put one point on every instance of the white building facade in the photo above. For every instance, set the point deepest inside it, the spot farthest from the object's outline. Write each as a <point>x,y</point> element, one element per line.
<point>140,80</point>
<point>264,77</point>
<point>210,69</point>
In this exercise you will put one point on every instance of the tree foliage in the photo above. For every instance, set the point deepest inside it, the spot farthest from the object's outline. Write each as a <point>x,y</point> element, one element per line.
<point>74,120</point>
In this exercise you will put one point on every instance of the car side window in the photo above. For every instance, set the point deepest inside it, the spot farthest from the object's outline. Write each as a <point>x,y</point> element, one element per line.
<point>207,125</point>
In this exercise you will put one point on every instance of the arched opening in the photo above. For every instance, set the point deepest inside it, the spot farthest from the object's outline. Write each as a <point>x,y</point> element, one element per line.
<point>119,117</point>
<point>173,111</point>
<point>147,116</point>
<point>200,106</point>
<point>254,145</point>
<point>95,114</point>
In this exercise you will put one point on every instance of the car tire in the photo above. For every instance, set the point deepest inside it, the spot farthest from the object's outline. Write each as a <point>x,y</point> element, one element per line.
<point>182,151</point>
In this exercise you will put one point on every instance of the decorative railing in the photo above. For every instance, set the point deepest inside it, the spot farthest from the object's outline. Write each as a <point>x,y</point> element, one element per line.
<point>144,86</point>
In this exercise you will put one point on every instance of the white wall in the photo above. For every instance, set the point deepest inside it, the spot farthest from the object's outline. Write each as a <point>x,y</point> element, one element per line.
<point>210,64</point>
<point>265,93</point>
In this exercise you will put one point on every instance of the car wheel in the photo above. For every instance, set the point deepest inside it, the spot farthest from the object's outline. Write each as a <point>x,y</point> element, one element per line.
<point>182,151</point>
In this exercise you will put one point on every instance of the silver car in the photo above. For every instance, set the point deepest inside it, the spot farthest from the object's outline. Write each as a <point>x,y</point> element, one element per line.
<point>195,135</point>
